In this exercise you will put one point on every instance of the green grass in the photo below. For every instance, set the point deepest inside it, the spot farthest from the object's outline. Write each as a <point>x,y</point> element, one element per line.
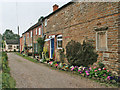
<point>28,58</point>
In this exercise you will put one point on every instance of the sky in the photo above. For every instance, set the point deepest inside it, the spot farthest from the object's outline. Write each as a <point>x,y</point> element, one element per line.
<point>24,13</point>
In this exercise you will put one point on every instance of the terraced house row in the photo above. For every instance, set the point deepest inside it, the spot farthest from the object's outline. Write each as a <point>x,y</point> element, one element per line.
<point>96,22</point>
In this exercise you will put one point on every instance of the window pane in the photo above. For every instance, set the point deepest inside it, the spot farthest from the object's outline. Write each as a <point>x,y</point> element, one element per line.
<point>60,44</point>
<point>39,31</point>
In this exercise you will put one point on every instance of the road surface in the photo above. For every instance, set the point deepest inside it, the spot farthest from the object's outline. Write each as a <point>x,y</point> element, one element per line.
<point>37,75</point>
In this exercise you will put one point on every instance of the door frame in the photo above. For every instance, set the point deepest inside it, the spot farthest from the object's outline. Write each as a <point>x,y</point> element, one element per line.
<point>51,37</point>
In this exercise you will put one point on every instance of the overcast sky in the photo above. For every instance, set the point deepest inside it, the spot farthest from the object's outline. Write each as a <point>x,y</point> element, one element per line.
<point>24,13</point>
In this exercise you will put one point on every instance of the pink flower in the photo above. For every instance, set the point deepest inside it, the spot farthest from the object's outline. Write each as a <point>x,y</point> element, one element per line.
<point>56,65</point>
<point>86,71</point>
<point>94,67</point>
<point>87,74</point>
<point>99,69</point>
<point>78,70</point>
<point>72,68</point>
<point>108,77</point>
<point>107,70</point>
<point>90,68</point>
<point>104,75</point>
<point>95,70</point>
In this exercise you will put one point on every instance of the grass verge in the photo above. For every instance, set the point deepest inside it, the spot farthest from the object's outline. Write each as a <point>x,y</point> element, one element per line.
<point>7,80</point>
<point>28,58</point>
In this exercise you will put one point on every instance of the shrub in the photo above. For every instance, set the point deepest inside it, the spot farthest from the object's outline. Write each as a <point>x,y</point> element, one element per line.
<point>101,65</point>
<point>80,55</point>
<point>62,56</point>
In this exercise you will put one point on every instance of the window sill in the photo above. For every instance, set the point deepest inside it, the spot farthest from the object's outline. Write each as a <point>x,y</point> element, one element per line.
<point>59,48</point>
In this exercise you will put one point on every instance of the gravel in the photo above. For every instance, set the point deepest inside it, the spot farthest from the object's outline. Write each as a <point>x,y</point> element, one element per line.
<point>36,75</point>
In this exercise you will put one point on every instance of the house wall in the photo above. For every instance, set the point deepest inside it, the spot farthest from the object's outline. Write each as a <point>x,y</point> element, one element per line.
<point>35,37</point>
<point>21,44</point>
<point>14,47</point>
<point>77,22</point>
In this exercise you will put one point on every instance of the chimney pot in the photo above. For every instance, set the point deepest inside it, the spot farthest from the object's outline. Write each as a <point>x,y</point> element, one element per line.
<point>55,7</point>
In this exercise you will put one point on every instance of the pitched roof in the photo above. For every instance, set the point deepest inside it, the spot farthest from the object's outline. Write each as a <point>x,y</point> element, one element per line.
<point>59,9</point>
<point>12,41</point>
<point>32,27</point>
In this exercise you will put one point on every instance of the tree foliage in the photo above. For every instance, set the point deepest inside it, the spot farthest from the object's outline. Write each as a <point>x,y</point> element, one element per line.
<point>78,54</point>
<point>9,35</point>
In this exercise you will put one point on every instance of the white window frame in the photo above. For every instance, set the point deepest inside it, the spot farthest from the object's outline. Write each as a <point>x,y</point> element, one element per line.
<point>59,40</point>
<point>31,33</point>
<point>40,31</point>
<point>97,44</point>
<point>45,22</point>
<point>36,31</point>
<point>28,35</point>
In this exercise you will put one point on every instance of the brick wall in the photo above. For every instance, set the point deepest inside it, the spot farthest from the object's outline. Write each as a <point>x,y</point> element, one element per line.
<point>77,22</point>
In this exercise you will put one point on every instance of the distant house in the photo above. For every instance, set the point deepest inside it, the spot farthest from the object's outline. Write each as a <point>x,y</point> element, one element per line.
<point>11,45</point>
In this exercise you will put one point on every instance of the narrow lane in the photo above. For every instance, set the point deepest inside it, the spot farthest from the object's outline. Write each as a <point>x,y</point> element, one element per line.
<point>32,75</point>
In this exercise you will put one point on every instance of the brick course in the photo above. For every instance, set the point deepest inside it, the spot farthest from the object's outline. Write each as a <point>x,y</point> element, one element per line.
<point>77,22</point>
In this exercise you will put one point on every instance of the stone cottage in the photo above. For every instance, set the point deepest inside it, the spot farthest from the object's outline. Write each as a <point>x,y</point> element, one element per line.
<point>96,22</point>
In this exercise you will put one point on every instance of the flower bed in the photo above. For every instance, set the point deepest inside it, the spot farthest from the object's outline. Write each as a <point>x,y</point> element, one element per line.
<point>96,73</point>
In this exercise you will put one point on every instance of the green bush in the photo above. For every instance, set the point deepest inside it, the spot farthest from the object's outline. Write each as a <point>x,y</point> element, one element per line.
<point>7,80</point>
<point>80,55</point>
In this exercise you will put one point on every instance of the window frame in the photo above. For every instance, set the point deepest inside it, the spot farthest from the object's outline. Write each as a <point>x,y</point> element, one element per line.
<point>98,48</point>
<point>59,40</point>
<point>45,22</point>
<point>39,30</point>
<point>31,33</point>
<point>36,31</point>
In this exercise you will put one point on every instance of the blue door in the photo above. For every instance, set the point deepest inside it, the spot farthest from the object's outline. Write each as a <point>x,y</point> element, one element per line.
<point>52,47</point>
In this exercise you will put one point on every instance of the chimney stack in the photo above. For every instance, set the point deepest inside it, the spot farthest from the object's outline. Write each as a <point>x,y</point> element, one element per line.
<point>55,7</point>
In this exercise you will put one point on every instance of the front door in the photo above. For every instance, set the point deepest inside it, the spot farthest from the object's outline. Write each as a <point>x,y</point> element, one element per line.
<point>52,48</point>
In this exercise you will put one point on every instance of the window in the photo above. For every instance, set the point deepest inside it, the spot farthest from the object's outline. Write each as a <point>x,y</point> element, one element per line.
<point>27,35</point>
<point>36,31</point>
<point>59,42</point>
<point>9,46</point>
<point>101,40</point>
<point>31,33</point>
<point>45,22</point>
<point>17,47</point>
<point>39,31</point>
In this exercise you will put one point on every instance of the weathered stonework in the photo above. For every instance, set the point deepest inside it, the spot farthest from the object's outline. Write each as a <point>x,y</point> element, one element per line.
<point>77,21</point>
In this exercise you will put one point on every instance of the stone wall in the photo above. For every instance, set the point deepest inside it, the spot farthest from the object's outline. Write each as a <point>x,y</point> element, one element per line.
<point>77,21</point>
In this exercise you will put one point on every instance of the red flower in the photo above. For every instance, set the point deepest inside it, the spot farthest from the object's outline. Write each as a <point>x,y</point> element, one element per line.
<point>104,68</point>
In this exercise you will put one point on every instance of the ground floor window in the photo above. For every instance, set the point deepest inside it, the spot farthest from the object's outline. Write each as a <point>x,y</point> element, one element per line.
<point>10,47</point>
<point>59,42</point>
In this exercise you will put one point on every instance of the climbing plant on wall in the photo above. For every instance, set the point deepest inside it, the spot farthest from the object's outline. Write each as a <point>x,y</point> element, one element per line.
<point>40,42</point>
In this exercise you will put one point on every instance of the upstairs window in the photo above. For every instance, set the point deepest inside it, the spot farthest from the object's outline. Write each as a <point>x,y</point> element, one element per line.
<point>45,22</point>
<point>59,42</point>
<point>39,31</point>
<point>31,33</point>
<point>36,31</point>
<point>27,35</point>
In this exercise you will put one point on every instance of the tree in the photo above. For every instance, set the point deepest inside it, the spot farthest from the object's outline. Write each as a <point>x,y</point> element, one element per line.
<point>40,45</point>
<point>9,35</point>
